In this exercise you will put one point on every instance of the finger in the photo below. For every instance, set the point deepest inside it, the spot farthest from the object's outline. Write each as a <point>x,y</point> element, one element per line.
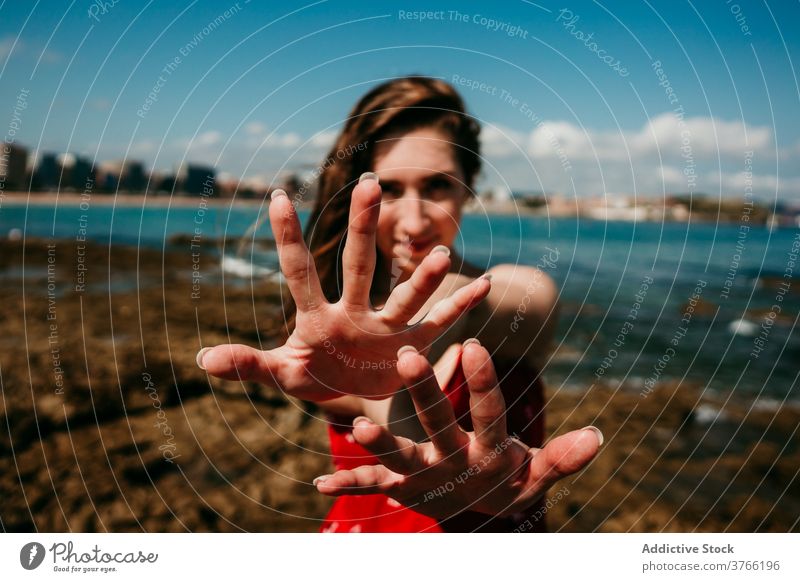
<point>358,258</point>
<point>434,410</point>
<point>561,457</point>
<point>486,404</point>
<point>297,264</point>
<point>398,454</point>
<point>364,480</point>
<point>238,362</point>
<point>408,298</point>
<point>448,310</point>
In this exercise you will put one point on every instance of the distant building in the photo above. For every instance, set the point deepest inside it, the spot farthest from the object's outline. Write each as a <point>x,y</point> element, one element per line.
<point>47,173</point>
<point>108,174</point>
<point>290,183</point>
<point>255,187</point>
<point>164,183</point>
<point>13,167</point>
<point>123,175</point>
<point>82,175</point>
<point>197,180</point>
<point>226,185</point>
<point>134,177</point>
<point>561,205</point>
<point>530,199</point>
<point>500,195</point>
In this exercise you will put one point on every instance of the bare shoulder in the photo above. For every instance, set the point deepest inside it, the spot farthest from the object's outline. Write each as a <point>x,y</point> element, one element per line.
<point>520,314</point>
<point>515,285</point>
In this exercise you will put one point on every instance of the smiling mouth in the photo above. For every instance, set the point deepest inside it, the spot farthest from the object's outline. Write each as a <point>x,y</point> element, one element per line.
<point>416,246</point>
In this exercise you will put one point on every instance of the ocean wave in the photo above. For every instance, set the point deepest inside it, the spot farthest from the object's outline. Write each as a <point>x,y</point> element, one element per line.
<point>743,327</point>
<point>243,268</point>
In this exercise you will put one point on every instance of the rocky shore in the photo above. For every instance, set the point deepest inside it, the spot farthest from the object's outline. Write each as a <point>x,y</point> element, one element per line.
<point>108,424</point>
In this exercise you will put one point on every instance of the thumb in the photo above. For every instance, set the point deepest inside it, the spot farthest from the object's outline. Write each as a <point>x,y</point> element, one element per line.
<point>564,456</point>
<point>240,362</point>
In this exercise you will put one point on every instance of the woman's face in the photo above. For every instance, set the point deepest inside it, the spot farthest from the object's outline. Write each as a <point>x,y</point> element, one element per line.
<point>423,193</point>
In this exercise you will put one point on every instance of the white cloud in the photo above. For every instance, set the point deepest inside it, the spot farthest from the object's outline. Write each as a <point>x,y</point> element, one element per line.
<point>14,47</point>
<point>662,155</point>
<point>560,156</point>
<point>208,138</point>
<point>790,152</point>
<point>498,140</point>
<point>99,104</point>
<point>551,136</point>
<point>143,148</point>
<point>204,148</point>
<point>766,183</point>
<point>286,141</point>
<point>707,136</point>
<point>255,128</point>
<point>324,139</point>
<point>664,135</point>
<point>7,45</point>
<point>672,177</point>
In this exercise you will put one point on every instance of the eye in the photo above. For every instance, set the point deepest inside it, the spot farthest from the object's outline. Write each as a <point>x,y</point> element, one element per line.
<point>391,191</point>
<point>439,188</point>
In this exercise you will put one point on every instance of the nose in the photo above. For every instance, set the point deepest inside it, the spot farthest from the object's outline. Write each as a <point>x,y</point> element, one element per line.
<point>414,218</point>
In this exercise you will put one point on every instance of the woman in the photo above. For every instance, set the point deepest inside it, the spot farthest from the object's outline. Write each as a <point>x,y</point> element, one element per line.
<point>377,287</point>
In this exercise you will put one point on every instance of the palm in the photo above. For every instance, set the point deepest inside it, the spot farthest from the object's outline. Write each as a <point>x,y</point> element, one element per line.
<point>335,351</point>
<point>486,470</point>
<point>345,347</point>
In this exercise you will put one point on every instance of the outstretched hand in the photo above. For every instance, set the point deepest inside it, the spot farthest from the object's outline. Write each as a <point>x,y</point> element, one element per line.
<point>485,470</point>
<point>347,347</point>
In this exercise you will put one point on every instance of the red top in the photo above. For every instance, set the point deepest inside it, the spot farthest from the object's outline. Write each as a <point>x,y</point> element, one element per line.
<point>524,395</point>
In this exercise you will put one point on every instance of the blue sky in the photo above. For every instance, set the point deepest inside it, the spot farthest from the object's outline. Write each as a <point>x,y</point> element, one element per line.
<point>264,86</point>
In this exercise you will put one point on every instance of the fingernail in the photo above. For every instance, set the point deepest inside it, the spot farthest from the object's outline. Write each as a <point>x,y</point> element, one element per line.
<point>278,192</point>
<point>441,249</point>
<point>597,433</point>
<point>487,276</point>
<point>199,358</point>
<point>405,349</point>
<point>471,340</point>
<point>363,419</point>
<point>368,176</point>
<point>320,479</point>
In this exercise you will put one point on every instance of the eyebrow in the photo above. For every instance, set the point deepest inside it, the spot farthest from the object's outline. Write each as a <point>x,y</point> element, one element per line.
<point>429,177</point>
<point>448,175</point>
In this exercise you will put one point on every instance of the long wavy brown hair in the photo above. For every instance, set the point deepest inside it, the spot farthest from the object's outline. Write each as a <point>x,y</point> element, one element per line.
<point>394,107</point>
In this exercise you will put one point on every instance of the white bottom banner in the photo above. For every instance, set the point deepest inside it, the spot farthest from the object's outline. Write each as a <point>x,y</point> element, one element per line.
<point>400,557</point>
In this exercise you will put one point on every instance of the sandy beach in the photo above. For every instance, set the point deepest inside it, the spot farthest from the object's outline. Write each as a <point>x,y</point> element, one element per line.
<point>111,426</point>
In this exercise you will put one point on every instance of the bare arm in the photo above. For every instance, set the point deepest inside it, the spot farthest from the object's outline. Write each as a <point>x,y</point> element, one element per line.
<point>520,314</point>
<point>517,320</point>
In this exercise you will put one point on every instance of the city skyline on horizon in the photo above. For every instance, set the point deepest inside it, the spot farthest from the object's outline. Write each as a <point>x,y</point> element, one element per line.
<point>150,180</point>
<point>678,79</point>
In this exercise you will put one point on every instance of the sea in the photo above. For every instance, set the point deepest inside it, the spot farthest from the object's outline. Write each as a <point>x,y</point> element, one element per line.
<point>705,304</point>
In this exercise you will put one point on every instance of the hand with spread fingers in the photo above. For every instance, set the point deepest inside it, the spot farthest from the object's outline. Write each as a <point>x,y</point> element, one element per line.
<point>485,470</point>
<point>345,347</point>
